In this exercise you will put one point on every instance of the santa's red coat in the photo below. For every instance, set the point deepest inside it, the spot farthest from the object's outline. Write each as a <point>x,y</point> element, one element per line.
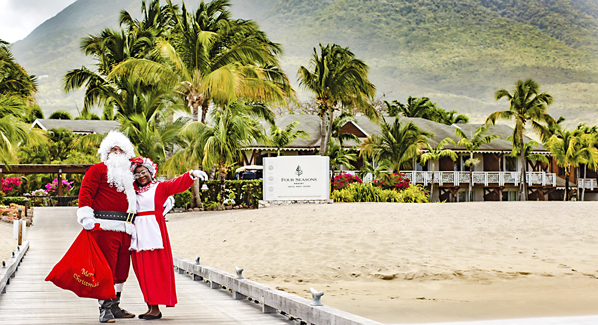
<point>154,268</point>
<point>96,193</point>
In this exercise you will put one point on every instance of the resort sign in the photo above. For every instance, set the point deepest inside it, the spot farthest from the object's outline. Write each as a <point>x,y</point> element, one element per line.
<point>296,178</point>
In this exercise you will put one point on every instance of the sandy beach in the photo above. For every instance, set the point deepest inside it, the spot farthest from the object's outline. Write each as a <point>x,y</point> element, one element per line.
<point>411,263</point>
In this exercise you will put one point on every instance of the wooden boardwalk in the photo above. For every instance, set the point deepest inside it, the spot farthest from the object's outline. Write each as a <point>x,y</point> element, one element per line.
<point>31,300</point>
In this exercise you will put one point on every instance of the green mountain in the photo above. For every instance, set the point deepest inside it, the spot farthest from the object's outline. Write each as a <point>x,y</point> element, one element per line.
<point>455,52</point>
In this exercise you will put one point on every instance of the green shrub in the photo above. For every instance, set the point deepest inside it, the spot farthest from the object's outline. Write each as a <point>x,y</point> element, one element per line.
<point>357,192</point>
<point>182,199</point>
<point>414,194</point>
<point>247,192</point>
<point>2,195</point>
<point>343,195</point>
<point>13,199</point>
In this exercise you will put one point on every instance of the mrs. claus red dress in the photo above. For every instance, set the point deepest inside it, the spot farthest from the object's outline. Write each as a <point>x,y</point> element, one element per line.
<point>150,246</point>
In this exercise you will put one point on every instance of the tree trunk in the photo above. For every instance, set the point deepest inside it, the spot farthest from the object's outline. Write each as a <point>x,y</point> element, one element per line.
<point>196,195</point>
<point>432,186</point>
<point>583,190</point>
<point>329,131</point>
<point>566,185</point>
<point>323,135</point>
<point>204,111</point>
<point>470,196</point>
<point>523,171</point>
<point>222,188</point>
<point>193,103</point>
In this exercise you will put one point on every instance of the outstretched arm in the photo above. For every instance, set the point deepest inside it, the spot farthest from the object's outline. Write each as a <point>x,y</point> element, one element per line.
<point>183,182</point>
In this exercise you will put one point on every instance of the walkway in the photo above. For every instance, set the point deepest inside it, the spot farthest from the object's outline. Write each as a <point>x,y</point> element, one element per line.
<point>31,300</point>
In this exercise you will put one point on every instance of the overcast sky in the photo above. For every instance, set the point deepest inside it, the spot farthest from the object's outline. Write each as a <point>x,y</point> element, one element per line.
<point>18,18</point>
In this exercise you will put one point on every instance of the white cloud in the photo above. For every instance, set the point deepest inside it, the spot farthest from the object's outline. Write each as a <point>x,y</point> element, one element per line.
<point>18,18</point>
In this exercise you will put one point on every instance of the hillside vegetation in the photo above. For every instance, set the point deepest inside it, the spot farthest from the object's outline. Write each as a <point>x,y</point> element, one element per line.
<point>455,52</point>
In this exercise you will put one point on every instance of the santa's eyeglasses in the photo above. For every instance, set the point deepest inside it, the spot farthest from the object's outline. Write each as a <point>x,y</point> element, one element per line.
<point>116,150</point>
<point>143,173</point>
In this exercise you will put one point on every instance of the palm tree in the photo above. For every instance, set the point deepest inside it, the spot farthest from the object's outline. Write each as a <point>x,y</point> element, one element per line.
<point>589,141</point>
<point>14,80</point>
<point>155,18</point>
<point>213,59</point>
<point>337,125</point>
<point>415,107</point>
<point>152,138</point>
<point>452,117</point>
<point>435,154</point>
<point>529,153</point>
<point>229,131</point>
<point>571,148</point>
<point>526,104</point>
<point>398,143</point>
<point>281,138</point>
<point>380,168</point>
<point>339,156</point>
<point>60,115</point>
<point>471,144</point>
<point>337,79</point>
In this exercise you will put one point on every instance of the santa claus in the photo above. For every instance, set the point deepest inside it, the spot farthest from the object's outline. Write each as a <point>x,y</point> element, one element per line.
<point>107,204</point>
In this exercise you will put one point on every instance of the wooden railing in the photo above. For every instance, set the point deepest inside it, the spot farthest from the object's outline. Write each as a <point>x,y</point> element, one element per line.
<point>10,267</point>
<point>271,300</point>
<point>589,183</point>
<point>486,178</point>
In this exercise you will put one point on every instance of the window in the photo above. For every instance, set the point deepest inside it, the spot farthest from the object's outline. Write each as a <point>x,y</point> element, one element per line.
<point>510,164</point>
<point>458,164</point>
<point>420,168</point>
<point>509,195</point>
<point>463,159</point>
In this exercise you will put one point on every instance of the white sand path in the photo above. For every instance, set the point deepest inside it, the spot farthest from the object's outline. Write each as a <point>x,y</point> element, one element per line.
<point>412,263</point>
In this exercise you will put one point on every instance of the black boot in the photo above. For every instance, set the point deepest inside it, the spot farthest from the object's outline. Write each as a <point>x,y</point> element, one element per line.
<point>117,311</point>
<point>106,315</point>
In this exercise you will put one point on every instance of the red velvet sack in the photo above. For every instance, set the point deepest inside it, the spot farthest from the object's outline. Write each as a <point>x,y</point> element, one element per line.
<point>84,270</point>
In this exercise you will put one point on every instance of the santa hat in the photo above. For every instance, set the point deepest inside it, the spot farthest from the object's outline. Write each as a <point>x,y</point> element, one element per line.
<point>145,162</point>
<point>114,139</point>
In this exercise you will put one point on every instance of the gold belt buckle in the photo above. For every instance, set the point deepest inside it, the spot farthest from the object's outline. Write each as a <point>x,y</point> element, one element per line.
<point>130,217</point>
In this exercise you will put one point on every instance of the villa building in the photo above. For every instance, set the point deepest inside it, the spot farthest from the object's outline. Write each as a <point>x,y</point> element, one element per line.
<point>495,178</point>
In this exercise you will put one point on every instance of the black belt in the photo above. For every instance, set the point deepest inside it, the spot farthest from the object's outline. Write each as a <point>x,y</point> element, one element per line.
<point>114,215</point>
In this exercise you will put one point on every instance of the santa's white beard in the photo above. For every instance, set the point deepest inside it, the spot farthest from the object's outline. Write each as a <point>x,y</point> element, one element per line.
<point>119,172</point>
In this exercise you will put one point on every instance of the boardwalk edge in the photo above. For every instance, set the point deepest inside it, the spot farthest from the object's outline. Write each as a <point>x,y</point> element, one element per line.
<point>272,300</point>
<point>12,265</point>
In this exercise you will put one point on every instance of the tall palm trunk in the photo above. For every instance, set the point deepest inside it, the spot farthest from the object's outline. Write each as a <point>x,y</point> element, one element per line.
<point>470,176</point>
<point>329,131</point>
<point>196,196</point>
<point>567,184</point>
<point>323,135</point>
<point>222,171</point>
<point>204,111</point>
<point>523,171</point>
<point>432,185</point>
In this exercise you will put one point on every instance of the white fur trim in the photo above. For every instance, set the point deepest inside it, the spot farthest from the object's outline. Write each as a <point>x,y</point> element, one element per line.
<point>84,213</point>
<point>119,287</point>
<point>116,138</point>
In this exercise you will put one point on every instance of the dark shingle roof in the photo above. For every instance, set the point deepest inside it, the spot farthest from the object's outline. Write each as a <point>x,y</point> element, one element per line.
<point>78,126</point>
<point>311,125</point>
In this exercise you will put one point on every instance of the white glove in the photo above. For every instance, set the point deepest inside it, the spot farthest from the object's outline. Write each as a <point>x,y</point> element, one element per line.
<point>87,224</point>
<point>85,217</point>
<point>199,174</point>
<point>168,205</point>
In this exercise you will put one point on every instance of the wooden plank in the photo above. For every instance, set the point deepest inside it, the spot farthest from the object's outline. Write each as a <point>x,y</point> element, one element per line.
<point>31,300</point>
